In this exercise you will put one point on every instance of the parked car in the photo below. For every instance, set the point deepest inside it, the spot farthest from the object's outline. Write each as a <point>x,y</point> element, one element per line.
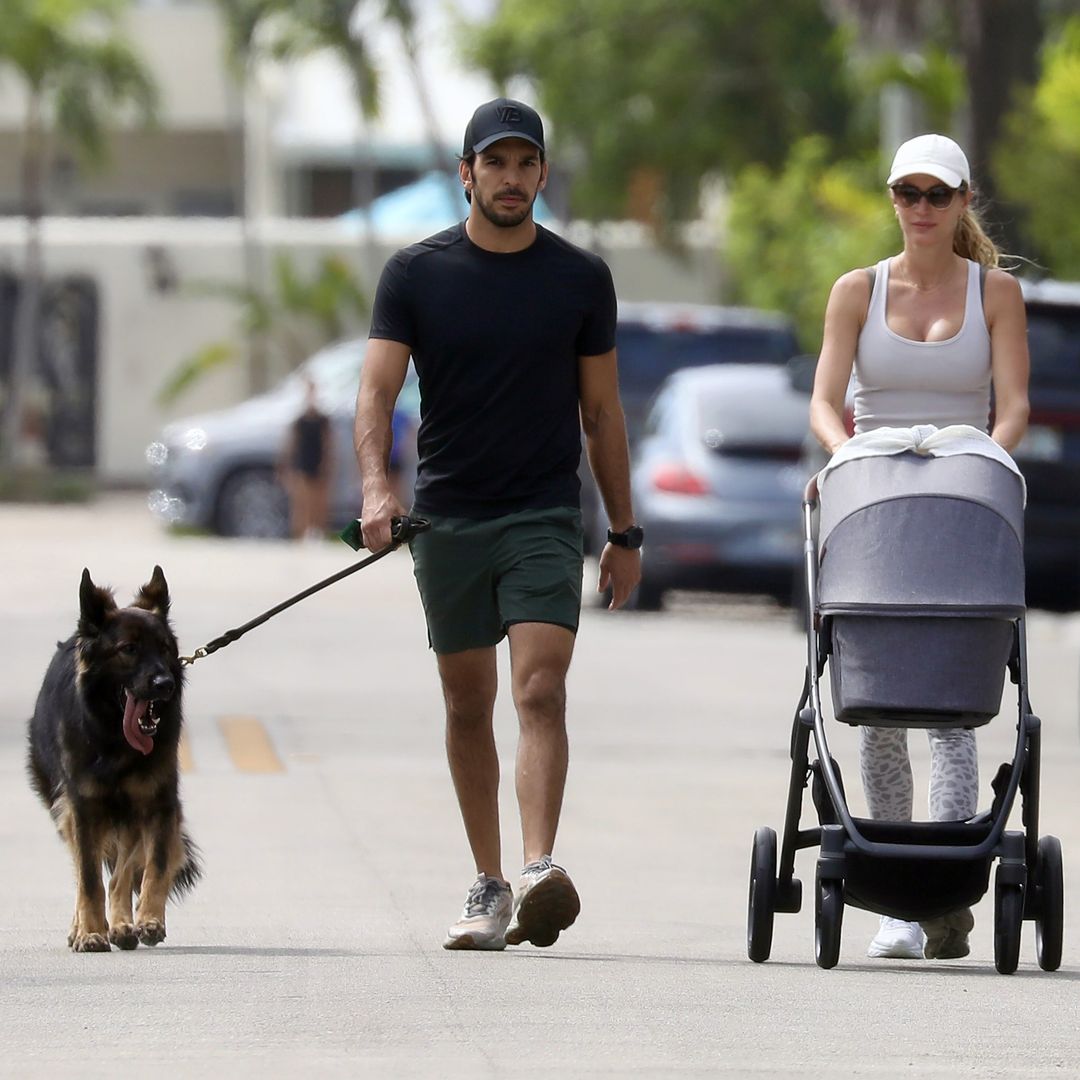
<point>1049,456</point>
<point>716,482</point>
<point>217,471</point>
<point>655,339</point>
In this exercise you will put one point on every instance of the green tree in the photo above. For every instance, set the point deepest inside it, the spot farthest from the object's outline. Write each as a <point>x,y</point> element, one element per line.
<point>793,231</point>
<point>647,98</point>
<point>79,73</point>
<point>1037,164</point>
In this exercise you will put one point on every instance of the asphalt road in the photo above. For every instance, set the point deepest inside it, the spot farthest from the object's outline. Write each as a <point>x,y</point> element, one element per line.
<point>315,785</point>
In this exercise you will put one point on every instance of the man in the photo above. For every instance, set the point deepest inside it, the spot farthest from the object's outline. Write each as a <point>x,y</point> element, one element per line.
<point>512,331</point>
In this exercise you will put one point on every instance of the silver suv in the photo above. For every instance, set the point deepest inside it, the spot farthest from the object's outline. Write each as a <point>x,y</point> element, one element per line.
<point>217,471</point>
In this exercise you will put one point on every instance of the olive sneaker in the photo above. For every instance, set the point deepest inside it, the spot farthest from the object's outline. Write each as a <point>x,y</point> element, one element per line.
<point>947,936</point>
<point>545,904</point>
<point>484,918</point>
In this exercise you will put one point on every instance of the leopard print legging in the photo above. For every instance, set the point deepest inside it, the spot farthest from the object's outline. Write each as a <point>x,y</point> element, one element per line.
<point>886,773</point>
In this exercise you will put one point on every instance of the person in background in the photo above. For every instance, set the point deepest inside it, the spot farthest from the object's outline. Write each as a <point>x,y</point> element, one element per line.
<point>512,332</point>
<point>304,467</point>
<point>927,332</point>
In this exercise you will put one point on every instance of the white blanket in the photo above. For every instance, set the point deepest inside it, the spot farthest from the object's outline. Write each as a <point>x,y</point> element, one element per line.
<point>923,439</point>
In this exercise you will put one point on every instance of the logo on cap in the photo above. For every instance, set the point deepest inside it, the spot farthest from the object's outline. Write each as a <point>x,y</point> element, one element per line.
<point>509,114</point>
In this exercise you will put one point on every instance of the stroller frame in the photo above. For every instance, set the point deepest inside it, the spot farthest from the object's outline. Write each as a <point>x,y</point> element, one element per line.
<point>1028,883</point>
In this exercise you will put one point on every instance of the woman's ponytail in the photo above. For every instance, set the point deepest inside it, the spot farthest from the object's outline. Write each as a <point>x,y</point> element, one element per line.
<point>971,241</point>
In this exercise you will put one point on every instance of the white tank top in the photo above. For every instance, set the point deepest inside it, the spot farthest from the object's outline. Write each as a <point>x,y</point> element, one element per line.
<point>900,383</point>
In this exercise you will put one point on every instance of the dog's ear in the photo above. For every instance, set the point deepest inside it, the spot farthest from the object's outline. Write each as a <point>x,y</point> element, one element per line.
<point>154,595</point>
<point>94,605</point>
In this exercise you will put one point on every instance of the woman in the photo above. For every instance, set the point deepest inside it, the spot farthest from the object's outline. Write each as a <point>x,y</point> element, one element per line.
<point>926,333</point>
<point>305,467</point>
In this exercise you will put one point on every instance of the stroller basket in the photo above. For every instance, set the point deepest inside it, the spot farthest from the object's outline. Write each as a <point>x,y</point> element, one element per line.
<point>921,577</point>
<point>914,887</point>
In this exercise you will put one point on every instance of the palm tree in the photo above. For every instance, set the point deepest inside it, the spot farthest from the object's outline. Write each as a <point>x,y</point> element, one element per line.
<point>245,21</point>
<point>77,71</point>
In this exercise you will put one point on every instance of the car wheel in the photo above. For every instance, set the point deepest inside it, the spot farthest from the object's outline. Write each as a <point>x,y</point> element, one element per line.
<point>252,503</point>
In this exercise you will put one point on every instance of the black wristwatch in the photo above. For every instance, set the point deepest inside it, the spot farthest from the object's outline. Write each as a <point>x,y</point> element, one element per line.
<point>631,538</point>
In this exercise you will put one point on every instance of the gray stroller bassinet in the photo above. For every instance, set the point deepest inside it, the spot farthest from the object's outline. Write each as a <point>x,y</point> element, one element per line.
<point>915,594</point>
<point>921,579</point>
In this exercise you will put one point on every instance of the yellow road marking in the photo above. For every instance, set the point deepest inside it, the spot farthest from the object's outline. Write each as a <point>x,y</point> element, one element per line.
<point>187,763</point>
<point>249,745</point>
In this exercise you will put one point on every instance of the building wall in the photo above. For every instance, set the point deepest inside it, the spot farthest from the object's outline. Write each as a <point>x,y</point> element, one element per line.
<point>183,45</point>
<point>145,331</point>
<point>149,173</point>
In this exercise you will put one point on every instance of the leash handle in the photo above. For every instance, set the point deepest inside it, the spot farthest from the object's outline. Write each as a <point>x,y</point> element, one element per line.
<point>402,530</point>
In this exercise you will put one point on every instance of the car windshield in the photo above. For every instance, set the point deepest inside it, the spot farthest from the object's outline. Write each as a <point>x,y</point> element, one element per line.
<point>647,354</point>
<point>1054,342</point>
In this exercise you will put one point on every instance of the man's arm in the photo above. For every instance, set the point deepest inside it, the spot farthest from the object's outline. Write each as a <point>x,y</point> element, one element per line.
<point>604,425</point>
<point>385,365</point>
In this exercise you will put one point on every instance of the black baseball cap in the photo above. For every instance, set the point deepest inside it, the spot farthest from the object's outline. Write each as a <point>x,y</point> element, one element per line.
<point>502,118</point>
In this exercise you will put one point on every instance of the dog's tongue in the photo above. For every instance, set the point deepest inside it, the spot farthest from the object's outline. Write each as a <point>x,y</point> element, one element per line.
<point>133,713</point>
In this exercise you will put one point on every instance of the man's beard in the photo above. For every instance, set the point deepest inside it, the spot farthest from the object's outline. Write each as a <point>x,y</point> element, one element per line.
<point>505,219</point>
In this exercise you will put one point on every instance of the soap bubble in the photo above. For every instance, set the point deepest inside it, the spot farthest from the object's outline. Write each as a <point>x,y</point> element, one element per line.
<point>156,454</point>
<point>162,505</point>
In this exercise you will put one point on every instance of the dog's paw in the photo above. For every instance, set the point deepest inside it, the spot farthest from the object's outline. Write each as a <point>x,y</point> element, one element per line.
<point>89,943</point>
<point>123,936</point>
<point>151,932</point>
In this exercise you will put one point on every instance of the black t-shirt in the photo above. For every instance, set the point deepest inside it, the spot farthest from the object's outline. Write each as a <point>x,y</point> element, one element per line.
<point>496,339</point>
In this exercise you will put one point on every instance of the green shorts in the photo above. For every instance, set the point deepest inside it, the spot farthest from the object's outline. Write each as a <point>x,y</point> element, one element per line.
<point>476,578</point>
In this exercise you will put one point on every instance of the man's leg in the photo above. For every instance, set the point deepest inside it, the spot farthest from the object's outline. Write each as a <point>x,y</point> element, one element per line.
<point>545,902</point>
<point>540,656</point>
<point>469,682</point>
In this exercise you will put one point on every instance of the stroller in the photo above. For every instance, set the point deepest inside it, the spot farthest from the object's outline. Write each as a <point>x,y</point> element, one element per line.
<point>915,593</point>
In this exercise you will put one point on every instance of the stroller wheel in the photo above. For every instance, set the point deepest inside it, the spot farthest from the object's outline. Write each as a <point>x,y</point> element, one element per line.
<point>828,919</point>
<point>1008,919</point>
<point>761,906</point>
<point>1050,909</point>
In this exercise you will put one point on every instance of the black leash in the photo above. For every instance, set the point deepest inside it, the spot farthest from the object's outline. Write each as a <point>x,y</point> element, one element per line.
<point>402,530</point>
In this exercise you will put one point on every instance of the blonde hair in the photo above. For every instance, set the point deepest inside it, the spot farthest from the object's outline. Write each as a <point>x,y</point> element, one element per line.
<point>971,241</point>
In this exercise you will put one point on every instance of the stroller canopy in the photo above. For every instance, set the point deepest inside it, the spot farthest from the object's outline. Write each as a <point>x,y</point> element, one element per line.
<point>920,535</point>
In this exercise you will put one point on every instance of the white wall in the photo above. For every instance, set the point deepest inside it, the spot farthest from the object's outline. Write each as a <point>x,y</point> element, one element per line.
<point>144,334</point>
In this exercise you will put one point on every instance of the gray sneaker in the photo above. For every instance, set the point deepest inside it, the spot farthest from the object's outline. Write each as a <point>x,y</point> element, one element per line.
<point>484,918</point>
<point>545,904</point>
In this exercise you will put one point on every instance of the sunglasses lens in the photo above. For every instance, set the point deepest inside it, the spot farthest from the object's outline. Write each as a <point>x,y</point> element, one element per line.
<point>908,195</point>
<point>938,197</point>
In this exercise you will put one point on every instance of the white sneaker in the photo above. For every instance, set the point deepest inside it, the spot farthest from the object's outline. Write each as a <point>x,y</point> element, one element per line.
<point>545,904</point>
<point>897,940</point>
<point>484,918</point>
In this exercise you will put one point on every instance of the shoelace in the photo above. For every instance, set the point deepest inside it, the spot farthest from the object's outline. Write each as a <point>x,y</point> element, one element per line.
<point>541,865</point>
<point>483,897</point>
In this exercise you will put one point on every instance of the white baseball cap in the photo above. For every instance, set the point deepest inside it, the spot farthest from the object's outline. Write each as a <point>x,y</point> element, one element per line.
<point>934,155</point>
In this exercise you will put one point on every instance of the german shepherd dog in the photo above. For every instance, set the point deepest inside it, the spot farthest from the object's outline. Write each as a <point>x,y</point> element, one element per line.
<point>103,757</point>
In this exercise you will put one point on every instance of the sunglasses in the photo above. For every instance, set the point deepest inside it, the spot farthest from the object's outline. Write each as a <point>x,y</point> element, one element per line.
<point>939,196</point>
